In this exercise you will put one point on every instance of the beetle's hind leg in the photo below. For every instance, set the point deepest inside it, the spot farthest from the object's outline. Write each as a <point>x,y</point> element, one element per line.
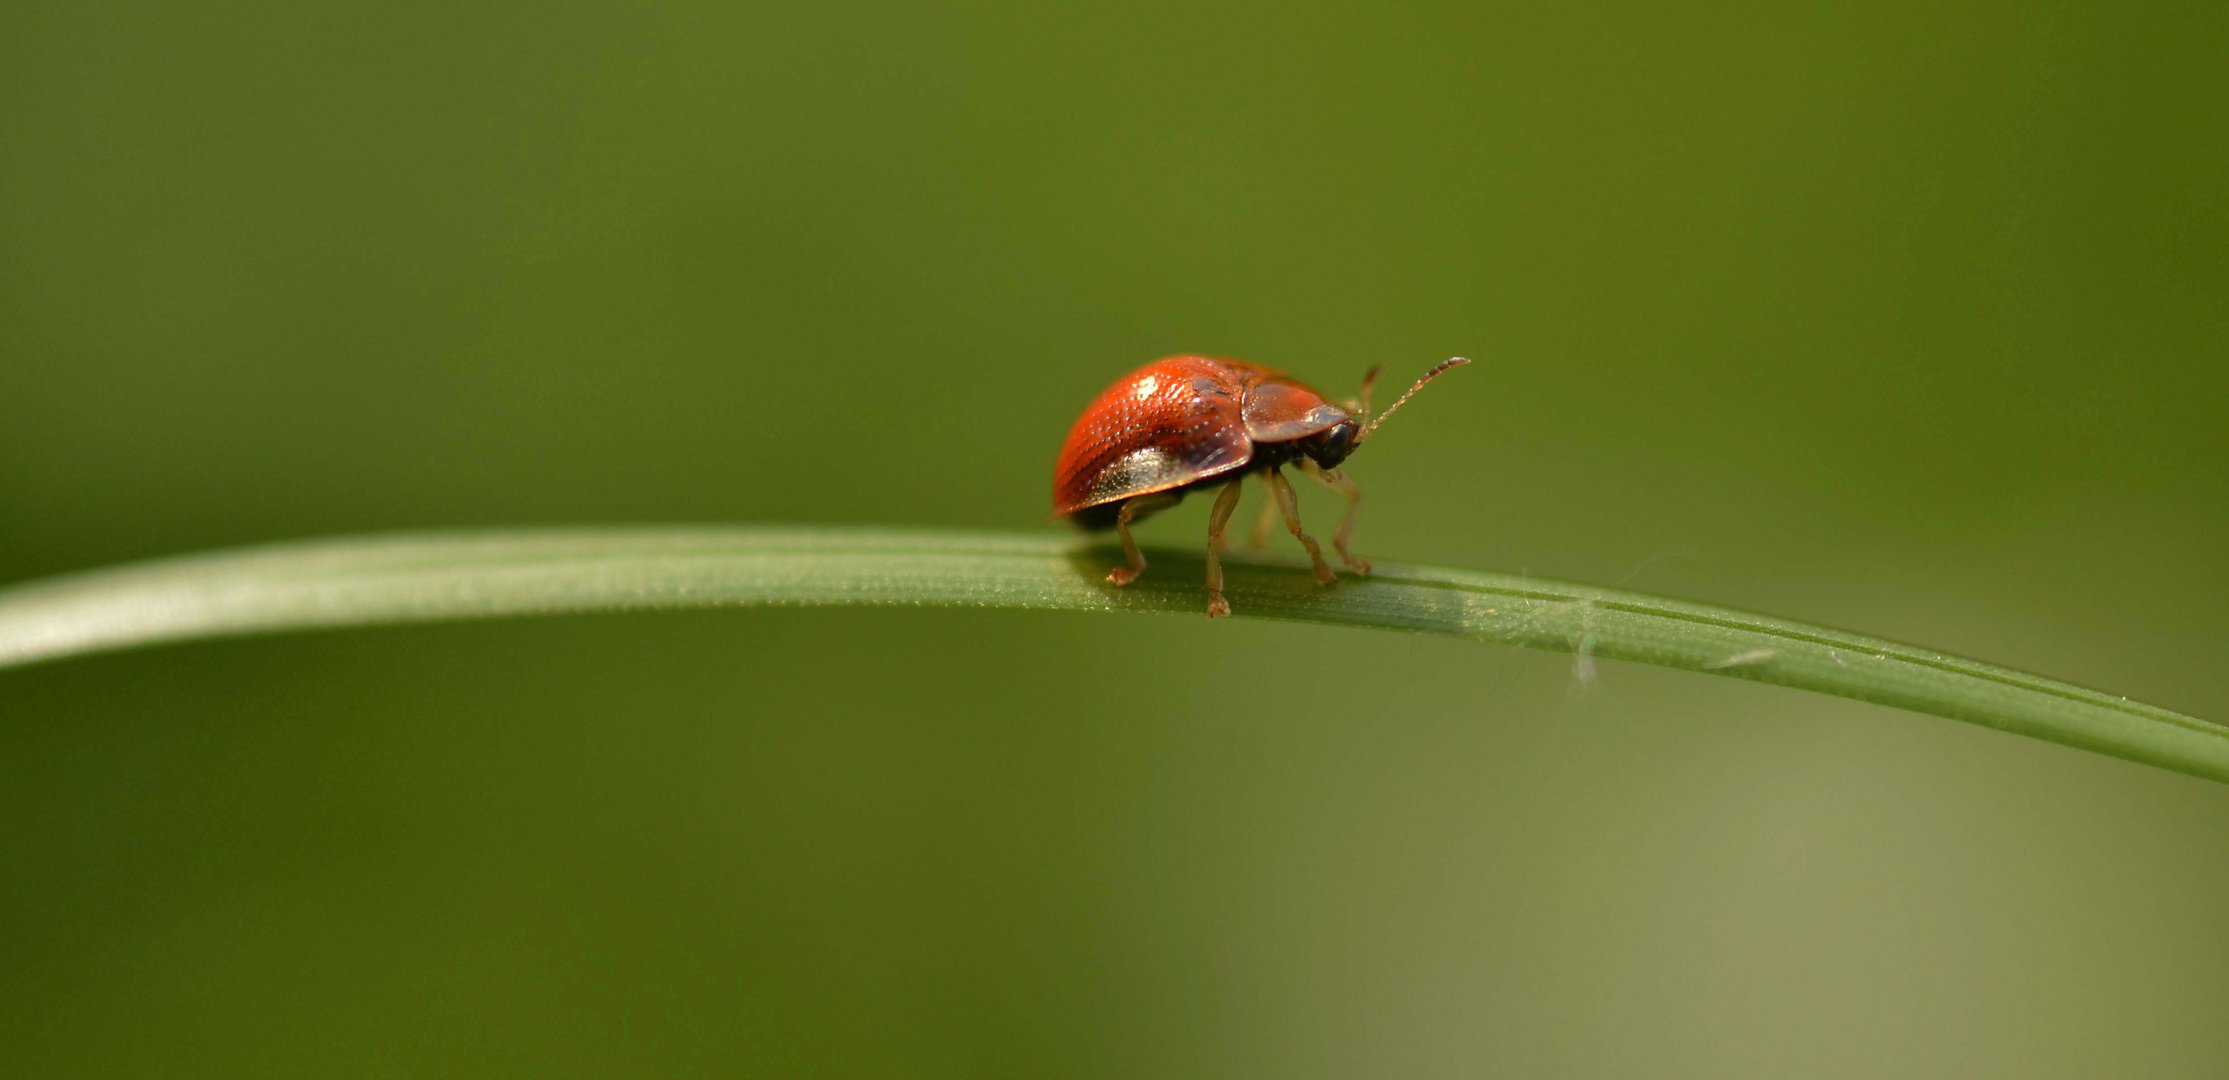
<point>1339,482</point>
<point>1289,504</point>
<point>1133,508</point>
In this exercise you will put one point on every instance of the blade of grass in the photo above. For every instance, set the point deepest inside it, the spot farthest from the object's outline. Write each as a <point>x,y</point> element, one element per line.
<point>442,576</point>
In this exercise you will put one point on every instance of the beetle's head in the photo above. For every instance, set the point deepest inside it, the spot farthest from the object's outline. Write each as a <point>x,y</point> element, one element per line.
<point>1331,446</point>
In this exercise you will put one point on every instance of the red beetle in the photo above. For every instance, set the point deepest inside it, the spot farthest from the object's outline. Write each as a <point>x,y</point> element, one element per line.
<point>1188,422</point>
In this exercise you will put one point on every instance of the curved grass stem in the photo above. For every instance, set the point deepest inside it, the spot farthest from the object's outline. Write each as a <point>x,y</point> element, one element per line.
<point>445,576</point>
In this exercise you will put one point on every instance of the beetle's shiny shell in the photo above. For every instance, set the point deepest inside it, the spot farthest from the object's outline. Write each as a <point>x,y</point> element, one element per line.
<point>1178,421</point>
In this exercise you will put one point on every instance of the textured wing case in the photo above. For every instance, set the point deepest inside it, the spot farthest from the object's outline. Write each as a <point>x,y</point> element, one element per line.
<point>1163,426</point>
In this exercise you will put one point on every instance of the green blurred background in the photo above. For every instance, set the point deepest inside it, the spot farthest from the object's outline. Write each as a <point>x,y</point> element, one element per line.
<point>1910,321</point>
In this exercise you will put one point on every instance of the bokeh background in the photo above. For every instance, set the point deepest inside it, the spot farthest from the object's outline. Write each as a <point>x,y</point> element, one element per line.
<point>1909,320</point>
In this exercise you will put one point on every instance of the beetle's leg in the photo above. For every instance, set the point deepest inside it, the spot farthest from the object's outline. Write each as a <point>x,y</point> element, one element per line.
<point>1216,519</point>
<point>1267,518</point>
<point>1143,504</point>
<point>1338,481</point>
<point>1259,537</point>
<point>1289,503</point>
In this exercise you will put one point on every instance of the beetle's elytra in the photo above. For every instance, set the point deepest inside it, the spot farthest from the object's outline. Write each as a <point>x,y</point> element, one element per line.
<point>1188,422</point>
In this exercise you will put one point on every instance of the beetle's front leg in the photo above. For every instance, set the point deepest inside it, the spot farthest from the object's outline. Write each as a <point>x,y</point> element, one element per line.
<point>1289,504</point>
<point>1339,482</point>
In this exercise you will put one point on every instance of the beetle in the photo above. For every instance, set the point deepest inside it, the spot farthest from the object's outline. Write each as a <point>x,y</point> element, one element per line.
<point>1186,423</point>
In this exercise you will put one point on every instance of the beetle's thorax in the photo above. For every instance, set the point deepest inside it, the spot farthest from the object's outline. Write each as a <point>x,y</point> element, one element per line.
<point>1287,419</point>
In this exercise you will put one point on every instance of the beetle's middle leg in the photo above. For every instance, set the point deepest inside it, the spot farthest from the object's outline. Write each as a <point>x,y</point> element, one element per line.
<point>1267,518</point>
<point>1132,508</point>
<point>1217,518</point>
<point>1289,504</point>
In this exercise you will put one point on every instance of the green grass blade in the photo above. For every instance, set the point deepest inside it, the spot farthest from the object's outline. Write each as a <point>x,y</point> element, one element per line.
<point>444,576</point>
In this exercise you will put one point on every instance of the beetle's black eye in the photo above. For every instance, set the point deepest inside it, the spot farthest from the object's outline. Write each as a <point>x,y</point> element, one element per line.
<point>1333,446</point>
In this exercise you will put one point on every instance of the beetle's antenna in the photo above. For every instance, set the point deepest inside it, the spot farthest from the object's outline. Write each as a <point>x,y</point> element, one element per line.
<point>1369,379</point>
<point>1437,370</point>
